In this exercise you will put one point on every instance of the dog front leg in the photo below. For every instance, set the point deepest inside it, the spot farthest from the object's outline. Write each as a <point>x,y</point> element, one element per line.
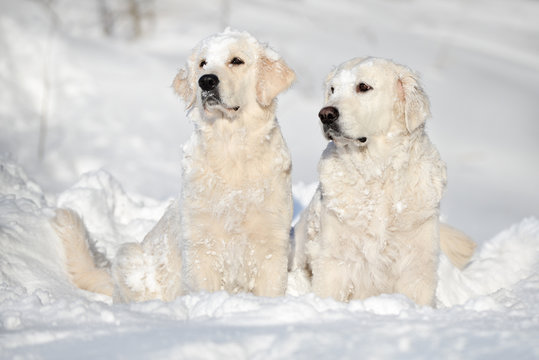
<point>205,270</point>
<point>331,278</point>
<point>417,268</point>
<point>272,275</point>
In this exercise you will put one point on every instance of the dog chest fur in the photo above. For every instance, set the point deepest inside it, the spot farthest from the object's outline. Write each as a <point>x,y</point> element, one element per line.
<point>395,188</point>
<point>233,204</point>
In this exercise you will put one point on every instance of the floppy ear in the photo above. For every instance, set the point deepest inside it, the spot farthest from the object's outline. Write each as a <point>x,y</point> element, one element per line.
<point>416,102</point>
<point>273,77</point>
<point>182,86</point>
<point>184,83</point>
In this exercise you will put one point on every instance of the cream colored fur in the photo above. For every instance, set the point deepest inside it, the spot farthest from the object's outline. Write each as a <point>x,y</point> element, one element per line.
<point>80,263</point>
<point>236,197</point>
<point>372,227</point>
<point>456,245</point>
<point>229,229</point>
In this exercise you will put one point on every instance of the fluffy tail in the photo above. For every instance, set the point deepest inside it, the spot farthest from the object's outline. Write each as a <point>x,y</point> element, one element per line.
<point>79,258</point>
<point>458,247</point>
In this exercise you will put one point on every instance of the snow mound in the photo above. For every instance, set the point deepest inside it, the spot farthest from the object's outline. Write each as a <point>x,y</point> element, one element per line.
<point>111,215</point>
<point>506,259</point>
<point>42,315</point>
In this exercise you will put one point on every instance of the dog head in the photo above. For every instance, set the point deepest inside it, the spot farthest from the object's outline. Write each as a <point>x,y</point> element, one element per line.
<point>368,98</point>
<point>230,72</point>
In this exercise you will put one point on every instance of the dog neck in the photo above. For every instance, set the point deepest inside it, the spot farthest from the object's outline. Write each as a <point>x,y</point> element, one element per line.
<point>371,161</point>
<point>247,150</point>
<point>252,124</point>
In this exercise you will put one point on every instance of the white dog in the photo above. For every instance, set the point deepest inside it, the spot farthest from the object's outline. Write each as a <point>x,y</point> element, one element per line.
<point>229,230</point>
<point>372,226</point>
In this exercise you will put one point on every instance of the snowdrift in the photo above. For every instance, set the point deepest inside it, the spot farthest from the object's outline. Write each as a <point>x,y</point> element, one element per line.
<point>491,308</point>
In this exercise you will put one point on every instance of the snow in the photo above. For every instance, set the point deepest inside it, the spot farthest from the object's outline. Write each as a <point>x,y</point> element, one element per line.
<point>504,260</point>
<point>111,152</point>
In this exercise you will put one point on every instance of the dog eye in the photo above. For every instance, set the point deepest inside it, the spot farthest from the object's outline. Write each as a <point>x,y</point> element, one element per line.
<point>237,61</point>
<point>332,89</point>
<point>203,63</point>
<point>362,87</point>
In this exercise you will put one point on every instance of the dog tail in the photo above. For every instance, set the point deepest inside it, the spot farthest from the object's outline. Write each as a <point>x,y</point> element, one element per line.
<point>456,245</point>
<point>80,262</point>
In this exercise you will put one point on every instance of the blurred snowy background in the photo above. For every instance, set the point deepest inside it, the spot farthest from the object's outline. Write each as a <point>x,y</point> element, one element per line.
<point>85,85</point>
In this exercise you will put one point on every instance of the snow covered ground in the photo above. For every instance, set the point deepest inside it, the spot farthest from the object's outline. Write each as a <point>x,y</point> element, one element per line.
<point>111,151</point>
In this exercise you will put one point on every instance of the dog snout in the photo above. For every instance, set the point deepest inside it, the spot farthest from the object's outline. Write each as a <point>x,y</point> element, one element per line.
<point>208,82</point>
<point>328,115</point>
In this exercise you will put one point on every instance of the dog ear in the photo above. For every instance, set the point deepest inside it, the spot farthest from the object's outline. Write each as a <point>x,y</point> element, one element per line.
<point>274,76</point>
<point>182,86</point>
<point>416,102</point>
<point>184,83</point>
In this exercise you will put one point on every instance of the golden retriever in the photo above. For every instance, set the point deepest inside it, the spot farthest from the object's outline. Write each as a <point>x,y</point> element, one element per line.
<point>372,226</point>
<point>229,228</point>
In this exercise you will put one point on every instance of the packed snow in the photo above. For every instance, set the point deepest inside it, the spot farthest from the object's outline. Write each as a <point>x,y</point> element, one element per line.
<point>109,147</point>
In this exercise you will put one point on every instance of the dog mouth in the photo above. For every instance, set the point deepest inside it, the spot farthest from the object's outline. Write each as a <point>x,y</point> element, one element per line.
<point>212,101</point>
<point>333,133</point>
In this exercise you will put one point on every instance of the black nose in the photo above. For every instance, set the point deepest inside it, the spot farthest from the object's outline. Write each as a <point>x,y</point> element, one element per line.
<point>328,115</point>
<point>208,82</point>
